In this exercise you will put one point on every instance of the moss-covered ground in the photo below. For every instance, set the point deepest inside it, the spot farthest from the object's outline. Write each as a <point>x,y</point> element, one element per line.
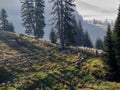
<point>30,64</point>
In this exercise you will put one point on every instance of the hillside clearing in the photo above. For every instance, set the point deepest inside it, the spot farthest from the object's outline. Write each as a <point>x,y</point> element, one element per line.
<point>33,64</point>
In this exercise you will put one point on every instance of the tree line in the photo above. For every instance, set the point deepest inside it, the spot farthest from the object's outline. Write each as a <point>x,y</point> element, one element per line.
<point>105,22</point>
<point>112,48</point>
<point>33,17</point>
<point>65,27</point>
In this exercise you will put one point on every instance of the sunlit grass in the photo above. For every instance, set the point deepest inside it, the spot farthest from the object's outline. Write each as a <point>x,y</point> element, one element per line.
<point>49,68</point>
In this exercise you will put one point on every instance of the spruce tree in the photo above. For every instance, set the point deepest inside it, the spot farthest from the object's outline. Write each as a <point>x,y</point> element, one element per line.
<point>39,18</point>
<point>27,10</point>
<point>69,22</point>
<point>79,36</point>
<point>57,20</point>
<point>33,17</point>
<point>64,20</point>
<point>109,50</point>
<point>53,36</point>
<point>10,27</point>
<point>116,36</point>
<point>3,20</point>
<point>87,40</point>
<point>99,44</point>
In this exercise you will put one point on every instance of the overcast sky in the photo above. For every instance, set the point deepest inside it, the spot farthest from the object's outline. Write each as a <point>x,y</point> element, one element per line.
<point>89,9</point>
<point>99,9</point>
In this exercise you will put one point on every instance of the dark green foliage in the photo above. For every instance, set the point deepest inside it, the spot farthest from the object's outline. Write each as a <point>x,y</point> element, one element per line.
<point>33,18</point>
<point>116,37</point>
<point>109,50</point>
<point>79,36</point>
<point>70,31</point>
<point>69,22</point>
<point>27,16</point>
<point>53,36</point>
<point>99,44</point>
<point>87,41</point>
<point>64,21</point>
<point>112,48</point>
<point>5,76</point>
<point>39,18</point>
<point>4,23</point>
<point>10,27</point>
<point>4,20</point>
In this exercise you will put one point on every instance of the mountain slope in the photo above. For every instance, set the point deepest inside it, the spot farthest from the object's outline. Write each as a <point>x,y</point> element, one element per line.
<point>38,64</point>
<point>93,30</point>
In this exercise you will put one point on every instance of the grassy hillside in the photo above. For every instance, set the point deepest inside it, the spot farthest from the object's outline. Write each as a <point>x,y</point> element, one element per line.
<point>30,64</point>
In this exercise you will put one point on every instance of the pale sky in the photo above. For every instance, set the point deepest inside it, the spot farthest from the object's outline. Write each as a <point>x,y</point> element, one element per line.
<point>99,9</point>
<point>89,9</point>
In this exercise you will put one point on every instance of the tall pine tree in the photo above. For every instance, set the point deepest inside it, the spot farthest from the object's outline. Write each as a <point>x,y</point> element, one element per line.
<point>69,22</point>
<point>116,36</point>
<point>3,20</point>
<point>87,40</point>
<point>39,18</point>
<point>57,12</point>
<point>27,10</point>
<point>33,17</point>
<point>10,27</point>
<point>79,36</point>
<point>5,25</point>
<point>109,50</point>
<point>99,44</point>
<point>53,36</point>
<point>64,20</point>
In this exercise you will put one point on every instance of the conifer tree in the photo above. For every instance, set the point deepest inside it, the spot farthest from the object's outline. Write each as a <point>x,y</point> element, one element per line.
<point>33,17</point>
<point>39,18</point>
<point>10,27</point>
<point>57,12</point>
<point>69,22</point>
<point>99,44</point>
<point>27,10</point>
<point>53,36</point>
<point>3,20</point>
<point>64,20</point>
<point>79,36</point>
<point>116,37</point>
<point>87,40</point>
<point>109,50</point>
